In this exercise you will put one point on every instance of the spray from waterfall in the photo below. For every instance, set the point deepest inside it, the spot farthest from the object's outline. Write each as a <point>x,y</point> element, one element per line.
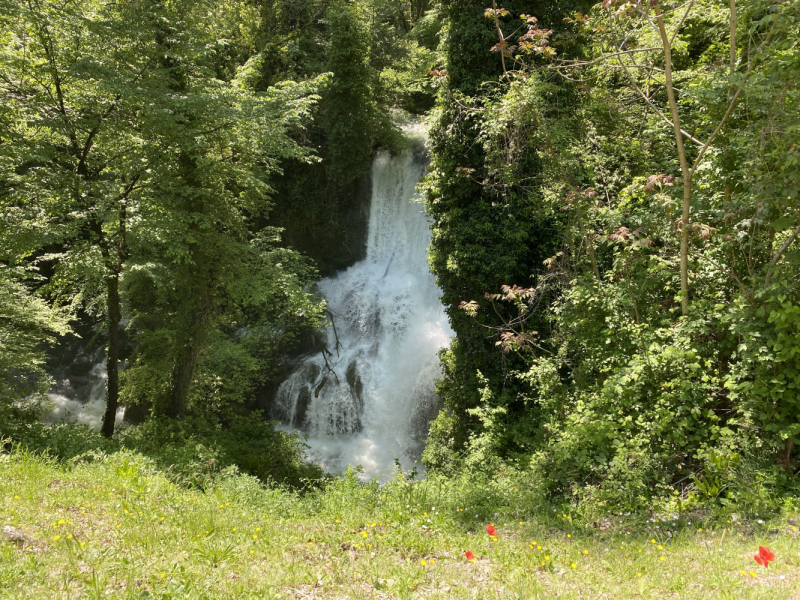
<point>367,398</point>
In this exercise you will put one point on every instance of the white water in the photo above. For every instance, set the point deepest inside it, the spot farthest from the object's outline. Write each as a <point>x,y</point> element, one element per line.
<point>88,411</point>
<point>368,399</point>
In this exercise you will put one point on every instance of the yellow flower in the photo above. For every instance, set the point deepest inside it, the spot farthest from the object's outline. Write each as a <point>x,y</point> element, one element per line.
<point>638,574</point>
<point>364,534</point>
<point>660,547</point>
<point>569,536</point>
<point>433,561</point>
<point>255,537</point>
<point>547,558</point>
<point>574,566</point>
<point>586,552</point>
<point>83,544</point>
<point>58,537</point>
<point>652,541</point>
<point>538,547</point>
<point>252,551</point>
<point>61,521</point>
<point>258,528</point>
<point>742,572</point>
<point>163,575</point>
<point>753,574</point>
<point>660,558</point>
<point>700,529</point>
<point>69,536</point>
<point>423,563</point>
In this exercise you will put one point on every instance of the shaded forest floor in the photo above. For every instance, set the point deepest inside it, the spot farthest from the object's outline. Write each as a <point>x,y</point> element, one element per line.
<point>114,527</point>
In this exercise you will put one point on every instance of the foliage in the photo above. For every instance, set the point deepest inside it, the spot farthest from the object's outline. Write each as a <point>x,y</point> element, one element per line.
<point>611,393</point>
<point>196,450</point>
<point>26,323</point>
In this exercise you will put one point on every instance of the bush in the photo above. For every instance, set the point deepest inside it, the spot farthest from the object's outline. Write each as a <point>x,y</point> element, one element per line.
<point>196,450</point>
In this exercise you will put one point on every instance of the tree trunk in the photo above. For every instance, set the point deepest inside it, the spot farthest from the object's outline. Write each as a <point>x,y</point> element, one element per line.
<point>187,358</point>
<point>112,356</point>
<point>685,170</point>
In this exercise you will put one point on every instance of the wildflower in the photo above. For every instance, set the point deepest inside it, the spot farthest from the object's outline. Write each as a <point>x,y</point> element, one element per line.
<point>638,574</point>
<point>422,562</point>
<point>586,552</point>
<point>83,544</point>
<point>470,556</point>
<point>742,572</point>
<point>753,574</point>
<point>764,556</point>
<point>660,558</point>
<point>660,547</point>
<point>574,565</point>
<point>491,530</point>
<point>58,537</point>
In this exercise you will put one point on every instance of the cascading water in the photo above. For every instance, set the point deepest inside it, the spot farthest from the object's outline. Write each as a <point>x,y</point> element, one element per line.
<point>82,398</point>
<point>367,398</point>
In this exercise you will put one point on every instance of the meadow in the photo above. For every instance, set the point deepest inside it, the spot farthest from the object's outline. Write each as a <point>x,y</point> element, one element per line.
<point>113,526</point>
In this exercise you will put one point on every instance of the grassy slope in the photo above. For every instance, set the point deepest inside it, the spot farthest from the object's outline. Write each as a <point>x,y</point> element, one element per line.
<point>115,528</point>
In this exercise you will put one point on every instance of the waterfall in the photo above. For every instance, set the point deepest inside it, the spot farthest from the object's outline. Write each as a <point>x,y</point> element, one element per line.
<point>82,399</point>
<point>367,398</point>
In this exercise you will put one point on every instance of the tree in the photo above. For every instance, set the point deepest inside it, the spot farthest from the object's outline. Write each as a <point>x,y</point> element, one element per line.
<point>119,131</point>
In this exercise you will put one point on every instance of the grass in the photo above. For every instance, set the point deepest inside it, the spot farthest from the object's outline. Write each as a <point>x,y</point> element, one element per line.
<point>115,527</point>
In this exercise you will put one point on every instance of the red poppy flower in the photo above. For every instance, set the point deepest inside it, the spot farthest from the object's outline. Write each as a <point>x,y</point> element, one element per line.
<point>490,529</point>
<point>764,556</point>
<point>470,556</point>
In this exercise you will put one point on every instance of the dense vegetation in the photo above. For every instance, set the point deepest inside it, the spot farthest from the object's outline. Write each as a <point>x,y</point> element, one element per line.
<point>614,194</point>
<point>615,199</point>
<point>164,167</point>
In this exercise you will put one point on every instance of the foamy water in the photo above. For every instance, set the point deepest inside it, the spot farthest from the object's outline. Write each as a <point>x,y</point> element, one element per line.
<point>368,398</point>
